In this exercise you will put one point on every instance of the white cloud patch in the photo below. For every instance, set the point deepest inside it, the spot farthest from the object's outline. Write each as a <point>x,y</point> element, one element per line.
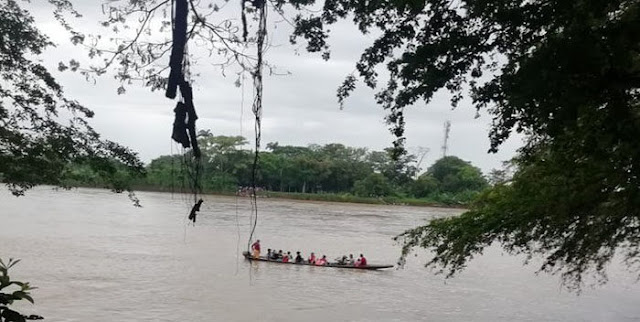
<point>299,109</point>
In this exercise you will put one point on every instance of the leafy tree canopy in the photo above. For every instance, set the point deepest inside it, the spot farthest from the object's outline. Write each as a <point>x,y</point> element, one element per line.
<point>456,175</point>
<point>424,186</point>
<point>41,130</point>
<point>564,73</point>
<point>374,185</point>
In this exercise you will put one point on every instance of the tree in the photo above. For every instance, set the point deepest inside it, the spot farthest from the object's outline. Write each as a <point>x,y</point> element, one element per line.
<point>424,186</point>
<point>456,175</point>
<point>223,160</point>
<point>271,171</point>
<point>501,176</point>
<point>221,144</point>
<point>222,151</point>
<point>374,185</point>
<point>400,170</point>
<point>38,140</point>
<point>345,166</point>
<point>564,73</point>
<point>165,172</point>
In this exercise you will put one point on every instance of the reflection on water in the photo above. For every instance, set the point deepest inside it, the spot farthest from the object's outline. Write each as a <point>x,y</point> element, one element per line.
<point>97,258</point>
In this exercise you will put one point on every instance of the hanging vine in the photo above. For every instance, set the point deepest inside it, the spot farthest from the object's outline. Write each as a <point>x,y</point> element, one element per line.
<point>184,127</point>
<point>261,7</point>
<point>141,36</point>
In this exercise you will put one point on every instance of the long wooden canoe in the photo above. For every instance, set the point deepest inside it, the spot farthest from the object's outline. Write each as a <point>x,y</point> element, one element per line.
<point>264,259</point>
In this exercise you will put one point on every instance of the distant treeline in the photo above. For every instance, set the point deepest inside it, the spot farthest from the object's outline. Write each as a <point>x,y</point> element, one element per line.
<point>331,169</point>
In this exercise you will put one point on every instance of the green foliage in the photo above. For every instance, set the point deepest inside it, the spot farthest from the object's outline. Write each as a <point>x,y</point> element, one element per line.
<point>332,168</point>
<point>564,73</point>
<point>535,65</point>
<point>577,219</point>
<point>374,185</point>
<point>400,170</point>
<point>166,172</point>
<point>328,168</point>
<point>224,161</point>
<point>330,197</point>
<point>455,175</point>
<point>21,291</point>
<point>347,197</point>
<point>424,186</point>
<point>37,142</point>
<point>461,198</point>
<point>321,170</point>
<point>499,176</point>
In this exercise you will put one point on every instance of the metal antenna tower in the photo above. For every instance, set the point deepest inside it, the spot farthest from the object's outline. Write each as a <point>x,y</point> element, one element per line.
<point>445,144</point>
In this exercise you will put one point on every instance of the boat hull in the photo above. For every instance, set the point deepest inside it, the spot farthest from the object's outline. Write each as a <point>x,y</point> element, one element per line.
<point>264,259</point>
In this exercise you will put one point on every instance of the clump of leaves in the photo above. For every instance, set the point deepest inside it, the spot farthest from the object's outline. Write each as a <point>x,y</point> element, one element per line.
<point>42,131</point>
<point>565,74</point>
<point>21,291</point>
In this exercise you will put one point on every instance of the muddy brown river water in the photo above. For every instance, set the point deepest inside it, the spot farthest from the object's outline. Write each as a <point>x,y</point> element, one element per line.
<point>95,257</point>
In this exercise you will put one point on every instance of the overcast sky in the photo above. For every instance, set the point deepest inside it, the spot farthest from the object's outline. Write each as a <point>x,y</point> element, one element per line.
<point>299,109</point>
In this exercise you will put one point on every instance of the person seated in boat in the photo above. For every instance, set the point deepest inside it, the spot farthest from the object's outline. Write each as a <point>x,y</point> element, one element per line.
<point>341,260</point>
<point>299,259</point>
<point>286,257</point>
<point>361,262</point>
<point>322,261</point>
<point>274,255</point>
<point>256,249</point>
<point>312,258</point>
<point>350,260</point>
<point>269,253</point>
<point>280,255</point>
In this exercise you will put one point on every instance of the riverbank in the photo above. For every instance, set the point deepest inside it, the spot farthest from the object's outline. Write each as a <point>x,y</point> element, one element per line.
<point>324,197</point>
<point>348,198</point>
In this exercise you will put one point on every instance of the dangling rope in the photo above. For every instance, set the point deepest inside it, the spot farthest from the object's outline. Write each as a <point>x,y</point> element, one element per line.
<point>236,193</point>
<point>257,109</point>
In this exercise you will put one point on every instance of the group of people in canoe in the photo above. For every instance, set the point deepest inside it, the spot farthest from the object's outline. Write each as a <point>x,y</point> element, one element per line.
<point>287,257</point>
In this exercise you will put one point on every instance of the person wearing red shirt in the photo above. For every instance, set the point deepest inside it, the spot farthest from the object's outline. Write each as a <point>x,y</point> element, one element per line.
<point>362,261</point>
<point>256,249</point>
<point>322,261</point>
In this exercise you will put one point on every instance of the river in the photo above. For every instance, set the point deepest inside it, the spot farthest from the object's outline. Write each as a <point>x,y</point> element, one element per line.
<point>95,257</point>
